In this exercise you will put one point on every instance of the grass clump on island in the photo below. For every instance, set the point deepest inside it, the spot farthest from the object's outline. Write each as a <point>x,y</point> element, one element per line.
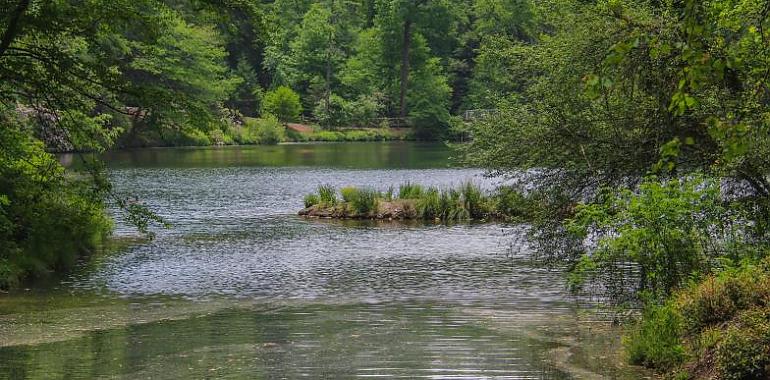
<point>412,201</point>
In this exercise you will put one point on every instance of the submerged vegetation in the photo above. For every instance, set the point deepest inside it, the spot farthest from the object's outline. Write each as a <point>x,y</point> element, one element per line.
<point>411,201</point>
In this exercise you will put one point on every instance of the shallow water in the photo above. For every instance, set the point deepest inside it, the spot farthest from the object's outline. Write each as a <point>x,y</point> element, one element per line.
<point>241,287</point>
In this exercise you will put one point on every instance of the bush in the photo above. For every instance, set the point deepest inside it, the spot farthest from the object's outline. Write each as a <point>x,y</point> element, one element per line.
<point>218,136</point>
<point>333,114</point>
<point>266,130</point>
<point>191,137</point>
<point>721,325</point>
<point>330,136</point>
<point>656,340</point>
<point>744,351</point>
<point>513,203</point>
<point>269,130</point>
<point>416,201</point>
<point>365,109</point>
<point>670,230</point>
<point>327,196</point>
<point>47,219</point>
<point>282,103</point>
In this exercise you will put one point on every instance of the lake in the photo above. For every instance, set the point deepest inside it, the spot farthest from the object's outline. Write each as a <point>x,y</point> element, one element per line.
<point>241,287</point>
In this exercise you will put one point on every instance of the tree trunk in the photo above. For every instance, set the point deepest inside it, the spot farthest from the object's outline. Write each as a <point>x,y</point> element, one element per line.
<point>13,26</point>
<point>405,66</point>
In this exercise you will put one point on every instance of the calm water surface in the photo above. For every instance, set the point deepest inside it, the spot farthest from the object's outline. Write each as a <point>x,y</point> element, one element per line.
<point>241,287</point>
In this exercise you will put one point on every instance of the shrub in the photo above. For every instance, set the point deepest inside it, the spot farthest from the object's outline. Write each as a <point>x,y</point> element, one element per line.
<point>656,340</point>
<point>667,228</point>
<point>311,200</point>
<point>47,219</point>
<point>365,109</point>
<point>327,196</point>
<point>451,200</point>
<point>744,351</point>
<point>266,130</point>
<point>282,103</point>
<point>192,137</point>
<point>269,130</point>
<point>719,298</point>
<point>721,324</point>
<point>218,137</point>
<point>331,136</point>
<point>334,113</point>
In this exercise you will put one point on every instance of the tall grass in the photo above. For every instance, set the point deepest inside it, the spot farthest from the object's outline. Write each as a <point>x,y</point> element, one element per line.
<point>365,201</point>
<point>349,194</point>
<point>409,191</point>
<point>430,203</point>
<point>327,195</point>
<point>473,200</point>
<point>311,200</point>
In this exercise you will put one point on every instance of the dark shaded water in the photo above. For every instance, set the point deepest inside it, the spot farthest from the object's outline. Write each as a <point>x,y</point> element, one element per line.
<point>241,287</point>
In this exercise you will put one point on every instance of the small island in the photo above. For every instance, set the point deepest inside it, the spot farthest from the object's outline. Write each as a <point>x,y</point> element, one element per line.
<point>413,202</point>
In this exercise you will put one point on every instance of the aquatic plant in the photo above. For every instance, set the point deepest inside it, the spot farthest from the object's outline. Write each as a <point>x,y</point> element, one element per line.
<point>311,200</point>
<point>415,201</point>
<point>429,204</point>
<point>409,190</point>
<point>349,194</point>
<point>389,194</point>
<point>473,200</point>
<point>365,201</point>
<point>327,195</point>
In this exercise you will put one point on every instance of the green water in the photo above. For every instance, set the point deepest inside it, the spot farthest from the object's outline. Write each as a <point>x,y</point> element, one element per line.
<point>362,155</point>
<point>241,287</point>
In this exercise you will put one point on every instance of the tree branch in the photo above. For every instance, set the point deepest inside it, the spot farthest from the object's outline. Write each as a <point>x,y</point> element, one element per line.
<point>13,26</point>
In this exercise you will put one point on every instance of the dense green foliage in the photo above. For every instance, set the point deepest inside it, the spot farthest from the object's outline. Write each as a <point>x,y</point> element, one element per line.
<point>282,103</point>
<point>189,72</point>
<point>719,327</point>
<point>637,132</point>
<point>47,218</point>
<point>640,130</point>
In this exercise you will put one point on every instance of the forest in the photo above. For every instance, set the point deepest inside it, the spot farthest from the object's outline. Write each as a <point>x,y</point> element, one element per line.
<point>633,135</point>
